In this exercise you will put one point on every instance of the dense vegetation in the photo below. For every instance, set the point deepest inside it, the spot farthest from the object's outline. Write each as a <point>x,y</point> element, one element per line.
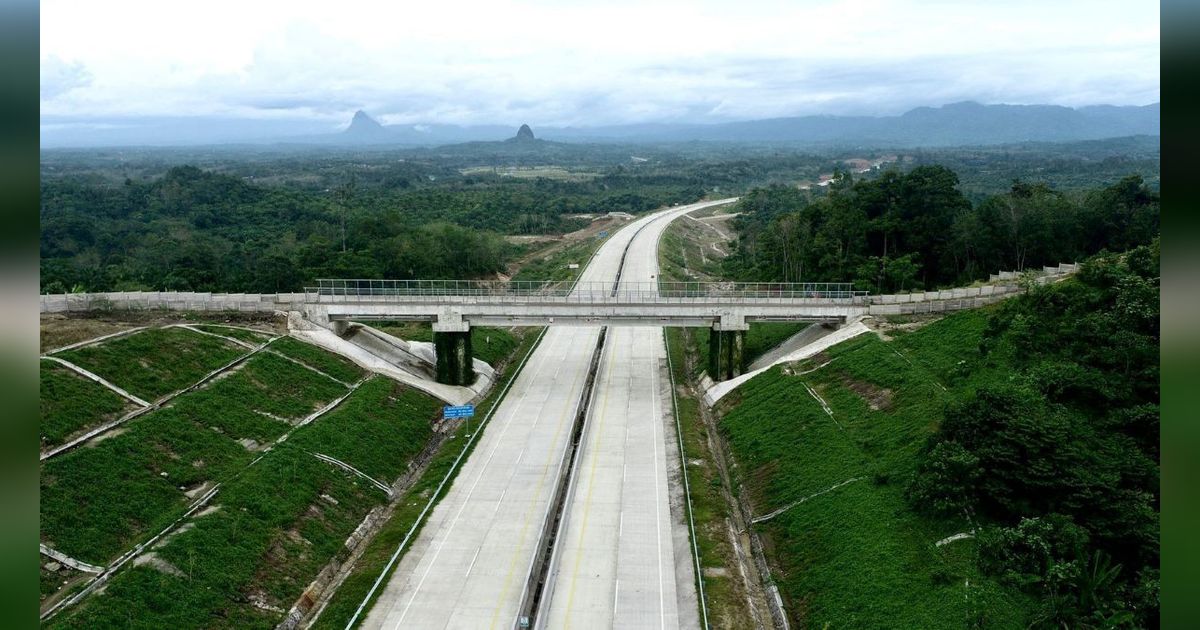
<point>98,500</point>
<point>70,403</point>
<point>1031,427</point>
<point>844,546</point>
<point>156,362</point>
<point>915,230</point>
<point>1063,453</point>
<point>274,219</point>
<point>196,230</point>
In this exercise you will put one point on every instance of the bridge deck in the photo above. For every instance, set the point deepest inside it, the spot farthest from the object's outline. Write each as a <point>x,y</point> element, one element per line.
<point>539,304</point>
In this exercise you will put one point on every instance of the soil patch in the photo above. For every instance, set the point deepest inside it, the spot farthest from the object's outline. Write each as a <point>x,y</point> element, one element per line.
<point>878,398</point>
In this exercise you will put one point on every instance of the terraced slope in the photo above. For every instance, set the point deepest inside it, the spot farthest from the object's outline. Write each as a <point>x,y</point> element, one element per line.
<point>823,449</point>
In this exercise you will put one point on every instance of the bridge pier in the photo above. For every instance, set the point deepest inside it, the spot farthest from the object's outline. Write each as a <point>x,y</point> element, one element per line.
<point>726,345</point>
<point>452,344</point>
<point>454,357</point>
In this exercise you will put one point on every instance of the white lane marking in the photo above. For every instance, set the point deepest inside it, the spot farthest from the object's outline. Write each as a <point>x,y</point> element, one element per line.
<point>473,559</point>
<point>662,611</point>
<point>454,522</point>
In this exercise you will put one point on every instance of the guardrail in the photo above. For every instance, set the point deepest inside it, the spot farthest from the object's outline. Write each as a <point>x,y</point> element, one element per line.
<point>337,290</point>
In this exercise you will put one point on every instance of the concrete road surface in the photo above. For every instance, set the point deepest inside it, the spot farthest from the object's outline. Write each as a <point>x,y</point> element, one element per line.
<point>469,565</point>
<point>623,557</point>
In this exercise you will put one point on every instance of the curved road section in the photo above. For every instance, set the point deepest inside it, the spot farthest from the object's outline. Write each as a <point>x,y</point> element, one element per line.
<point>623,558</point>
<point>469,565</point>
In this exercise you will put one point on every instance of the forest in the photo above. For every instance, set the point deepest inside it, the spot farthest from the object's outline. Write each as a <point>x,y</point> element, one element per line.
<point>196,230</point>
<point>1056,456</point>
<point>274,219</point>
<point>916,230</point>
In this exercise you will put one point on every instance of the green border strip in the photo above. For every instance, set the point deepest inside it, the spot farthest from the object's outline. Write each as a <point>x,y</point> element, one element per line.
<point>686,487</point>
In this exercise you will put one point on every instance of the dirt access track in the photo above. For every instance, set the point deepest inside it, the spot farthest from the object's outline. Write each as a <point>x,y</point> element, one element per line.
<point>553,243</point>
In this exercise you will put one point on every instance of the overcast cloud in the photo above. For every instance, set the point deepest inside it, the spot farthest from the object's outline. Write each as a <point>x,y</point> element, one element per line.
<point>585,63</point>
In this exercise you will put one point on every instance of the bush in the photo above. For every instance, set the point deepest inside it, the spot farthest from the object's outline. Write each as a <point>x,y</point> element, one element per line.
<point>947,481</point>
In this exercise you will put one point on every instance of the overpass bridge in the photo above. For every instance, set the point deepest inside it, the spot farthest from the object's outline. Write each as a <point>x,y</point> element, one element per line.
<point>454,306</point>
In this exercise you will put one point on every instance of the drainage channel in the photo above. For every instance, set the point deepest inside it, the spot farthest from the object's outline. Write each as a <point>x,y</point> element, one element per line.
<point>536,580</point>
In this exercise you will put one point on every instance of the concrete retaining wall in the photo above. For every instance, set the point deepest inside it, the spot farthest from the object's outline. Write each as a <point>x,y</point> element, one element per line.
<point>169,300</point>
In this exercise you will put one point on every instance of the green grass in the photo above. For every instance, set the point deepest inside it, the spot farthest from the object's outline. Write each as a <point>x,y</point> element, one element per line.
<point>274,528</point>
<point>554,266</point>
<point>377,430</point>
<point>338,367</point>
<point>71,403</point>
<point>858,556</point>
<point>249,336</point>
<point>682,254</point>
<point>237,404</point>
<point>272,533</point>
<point>408,331</point>
<point>764,336</point>
<point>155,362</point>
<point>380,549</point>
<point>99,500</point>
<point>493,345</point>
<point>724,593</point>
<point>489,344</point>
<point>760,339</point>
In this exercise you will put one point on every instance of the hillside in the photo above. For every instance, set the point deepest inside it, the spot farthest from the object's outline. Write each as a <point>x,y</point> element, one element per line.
<point>954,124</point>
<point>966,468</point>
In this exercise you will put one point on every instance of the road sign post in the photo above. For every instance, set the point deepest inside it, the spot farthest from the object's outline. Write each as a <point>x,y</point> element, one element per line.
<point>459,411</point>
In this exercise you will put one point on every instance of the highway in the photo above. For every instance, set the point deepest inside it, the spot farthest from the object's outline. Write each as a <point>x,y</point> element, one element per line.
<point>623,558</point>
<point>469,565</point>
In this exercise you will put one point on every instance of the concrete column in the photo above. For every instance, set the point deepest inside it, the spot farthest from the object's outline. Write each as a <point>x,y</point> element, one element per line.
<point>726,358</point>
<point>454,357</point>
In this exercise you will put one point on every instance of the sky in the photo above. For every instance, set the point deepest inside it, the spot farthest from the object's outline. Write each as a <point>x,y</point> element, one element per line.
<point>584,63</point>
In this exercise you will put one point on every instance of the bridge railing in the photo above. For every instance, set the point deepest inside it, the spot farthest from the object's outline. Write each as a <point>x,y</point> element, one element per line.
<point>365,290</point>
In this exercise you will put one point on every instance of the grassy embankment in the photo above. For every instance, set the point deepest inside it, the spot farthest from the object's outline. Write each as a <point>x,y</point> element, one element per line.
<point>850,551</point>
<point>71,403</point>
<point>554,265</point>
<point>277,522</point>
<point>106,496</point>
<point>723,588</point>
<point>153,363</point>
<point>375,557</point>
<point>334,365</point>
<point>249,336</point>
<point>490,345</point>
<point>685,255</point>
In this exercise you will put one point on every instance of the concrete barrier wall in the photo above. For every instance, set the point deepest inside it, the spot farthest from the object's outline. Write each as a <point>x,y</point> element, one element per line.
<point>168,300</point>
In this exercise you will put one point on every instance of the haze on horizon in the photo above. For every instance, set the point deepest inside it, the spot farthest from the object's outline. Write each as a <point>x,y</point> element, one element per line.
<point>583,63</point>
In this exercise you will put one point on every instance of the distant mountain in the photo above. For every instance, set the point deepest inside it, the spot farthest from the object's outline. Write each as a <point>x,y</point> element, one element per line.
<point>956,124</point>
<point>966,123</point>
<point>363,127</point>
<point>524,134</point>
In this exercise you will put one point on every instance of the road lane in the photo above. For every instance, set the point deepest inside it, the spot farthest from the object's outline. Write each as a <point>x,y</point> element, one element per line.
<point>468,566</point>
<point>623,558</point>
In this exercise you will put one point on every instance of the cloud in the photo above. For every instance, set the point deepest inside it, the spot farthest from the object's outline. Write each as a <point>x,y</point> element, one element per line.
<point>588,63</point>
<point>59,77</point>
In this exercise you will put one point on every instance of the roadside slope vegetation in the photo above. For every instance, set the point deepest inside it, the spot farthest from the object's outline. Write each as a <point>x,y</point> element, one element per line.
<point>1030,428</point>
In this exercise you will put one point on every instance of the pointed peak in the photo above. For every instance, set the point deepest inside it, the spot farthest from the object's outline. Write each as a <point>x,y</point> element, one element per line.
<point>525,133</point>
<point>363,122</point>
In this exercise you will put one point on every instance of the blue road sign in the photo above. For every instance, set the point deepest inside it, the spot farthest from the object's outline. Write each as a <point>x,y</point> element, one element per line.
<point>462,411</point>
<point>602,233</point>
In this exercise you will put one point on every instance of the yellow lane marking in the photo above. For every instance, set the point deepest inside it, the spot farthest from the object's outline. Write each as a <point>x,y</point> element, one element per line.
<point>512,565</point>
<point>587,505</point>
